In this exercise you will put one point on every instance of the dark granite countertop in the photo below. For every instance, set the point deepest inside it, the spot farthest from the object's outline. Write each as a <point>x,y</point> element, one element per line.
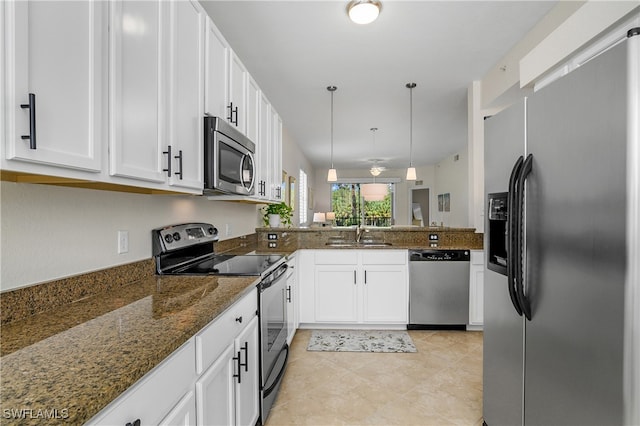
<point>79,357</point>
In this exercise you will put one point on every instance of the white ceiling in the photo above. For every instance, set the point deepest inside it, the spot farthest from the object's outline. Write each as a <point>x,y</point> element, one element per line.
<point>295,49</point>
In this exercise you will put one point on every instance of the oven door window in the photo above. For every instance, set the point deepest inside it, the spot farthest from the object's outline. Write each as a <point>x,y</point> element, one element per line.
<point>273,314</point>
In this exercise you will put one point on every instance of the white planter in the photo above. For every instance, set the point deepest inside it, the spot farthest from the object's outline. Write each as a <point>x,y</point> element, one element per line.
<point>274,220</point>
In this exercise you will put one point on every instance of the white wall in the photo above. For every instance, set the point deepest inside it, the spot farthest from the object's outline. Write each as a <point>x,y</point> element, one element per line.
<point>51,232</point>
<point>451,176</point>
<point>292,161</point>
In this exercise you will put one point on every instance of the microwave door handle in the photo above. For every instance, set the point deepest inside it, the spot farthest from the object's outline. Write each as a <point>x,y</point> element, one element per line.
<point>244,183</point>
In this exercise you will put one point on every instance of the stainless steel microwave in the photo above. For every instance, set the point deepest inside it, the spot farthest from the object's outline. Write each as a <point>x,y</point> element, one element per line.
<point>229,165</point>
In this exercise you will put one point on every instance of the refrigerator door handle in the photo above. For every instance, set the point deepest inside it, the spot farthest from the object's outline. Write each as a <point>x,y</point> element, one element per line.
<point>511,240</point>
<point>519,269</point>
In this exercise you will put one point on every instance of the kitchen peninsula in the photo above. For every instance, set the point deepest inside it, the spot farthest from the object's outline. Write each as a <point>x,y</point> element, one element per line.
<point>400,237</point>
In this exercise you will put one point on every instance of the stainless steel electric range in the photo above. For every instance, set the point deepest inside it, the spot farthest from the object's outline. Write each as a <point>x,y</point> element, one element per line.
<point>188,249</point>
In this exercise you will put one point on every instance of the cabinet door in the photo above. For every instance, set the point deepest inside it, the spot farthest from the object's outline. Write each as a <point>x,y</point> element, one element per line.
<point>263,150</point>
<point>186,109</point>
<point>336,293</point>
<point>476,288</point>
<point>247,388</point>
<point>183,414</point>
<point>253,109</point>
<point>237,92</point>
<point>136,138</point>
<point>276,156</point>
<point>385,294</point>
<point>69,92</point>
<point>214,391</point>
<point>216,80</point>
<point>292,297</point>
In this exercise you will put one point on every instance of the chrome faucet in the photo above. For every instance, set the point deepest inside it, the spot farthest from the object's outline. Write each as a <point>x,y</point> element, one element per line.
<point>359,231</point>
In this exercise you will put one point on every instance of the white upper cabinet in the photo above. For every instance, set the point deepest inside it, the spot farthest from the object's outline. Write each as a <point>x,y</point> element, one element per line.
<point>275,161</point>
<point>156,92</point>
<point>253,109</point>
<point>65,72</point>
<point>137,94</point>
<point>263,145</point>
<point>216,95</point>
<point>237,108</point>
<point>186,83</point>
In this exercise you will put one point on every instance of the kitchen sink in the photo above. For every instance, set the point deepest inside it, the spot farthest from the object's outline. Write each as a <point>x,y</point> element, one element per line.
<point>355,244</point>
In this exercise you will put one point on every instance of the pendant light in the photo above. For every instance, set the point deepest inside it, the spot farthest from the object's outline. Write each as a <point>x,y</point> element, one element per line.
<point>374,191</point>
<point>411,171</point>
<point>332,176</point>
<point>363,11</point>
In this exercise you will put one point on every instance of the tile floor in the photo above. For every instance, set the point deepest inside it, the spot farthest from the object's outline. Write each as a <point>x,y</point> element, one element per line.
<point>441,384</point>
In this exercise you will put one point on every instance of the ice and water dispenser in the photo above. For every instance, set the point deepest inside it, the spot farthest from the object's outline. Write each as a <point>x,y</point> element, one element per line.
<point>498,235</point>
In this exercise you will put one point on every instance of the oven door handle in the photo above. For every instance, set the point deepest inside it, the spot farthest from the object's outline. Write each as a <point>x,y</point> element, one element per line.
<point>280,373</point>
<point>247,185</point>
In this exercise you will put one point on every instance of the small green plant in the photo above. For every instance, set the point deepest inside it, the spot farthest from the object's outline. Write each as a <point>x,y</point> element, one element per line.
<point>281,209</point>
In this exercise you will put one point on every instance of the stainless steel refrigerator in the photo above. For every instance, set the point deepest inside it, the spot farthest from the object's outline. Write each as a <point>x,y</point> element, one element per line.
<point>555,244</point>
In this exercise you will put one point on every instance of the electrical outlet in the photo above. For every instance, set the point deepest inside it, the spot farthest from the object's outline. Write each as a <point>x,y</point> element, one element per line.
<point>228,230</point>
<point>123,242</point>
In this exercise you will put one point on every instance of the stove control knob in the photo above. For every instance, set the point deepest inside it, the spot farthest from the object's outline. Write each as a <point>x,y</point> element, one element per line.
<point>176,236</point>
<point>168,238</point>
<point>212,231</point>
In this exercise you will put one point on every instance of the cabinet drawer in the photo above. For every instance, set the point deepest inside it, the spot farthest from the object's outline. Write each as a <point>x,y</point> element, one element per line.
<point>215,337</point>
<point>152,397</point>
<point>336,257</point>
<point>384,257</point>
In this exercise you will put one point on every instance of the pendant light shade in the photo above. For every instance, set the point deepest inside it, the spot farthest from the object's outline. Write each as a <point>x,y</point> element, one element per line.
<point>332,175</point>
<point>411,171</point>
<point>374,191</point>
<point>363,11</point>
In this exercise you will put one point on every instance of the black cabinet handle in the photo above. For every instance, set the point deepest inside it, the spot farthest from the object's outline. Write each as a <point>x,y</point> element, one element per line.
<point>239,319</point>
<point>235,111</point>
<point>168,152</point>
<point>245,348</point>
<point>32,121</point>
<point>355,277</point>
<point>239,375</point>
<point>365,276</point>
<point>289,294</point>
<point>136,422</point>
<point>179,158</point>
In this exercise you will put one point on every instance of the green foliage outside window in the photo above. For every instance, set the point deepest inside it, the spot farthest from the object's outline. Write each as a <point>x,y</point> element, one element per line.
<point>347,204</point>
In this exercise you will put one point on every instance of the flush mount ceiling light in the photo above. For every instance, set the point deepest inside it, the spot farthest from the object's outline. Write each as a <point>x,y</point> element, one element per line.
<point>411,171</point>
<point>363,11</point>
<point>332,176</point>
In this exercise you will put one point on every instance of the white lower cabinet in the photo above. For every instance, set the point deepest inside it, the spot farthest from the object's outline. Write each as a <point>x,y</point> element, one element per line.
<point>212,379</point>
<point>354,287</point>
<point>227,392</point>
<point>292,298</point>
<point>162,396</point>
<point>476,288</point>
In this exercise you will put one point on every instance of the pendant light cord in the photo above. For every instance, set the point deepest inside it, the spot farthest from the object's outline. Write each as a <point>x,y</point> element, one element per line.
<point>332,89</point>
<point>411,86</point>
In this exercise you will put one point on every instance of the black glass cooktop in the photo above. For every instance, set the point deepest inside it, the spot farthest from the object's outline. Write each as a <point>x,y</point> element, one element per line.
<point>248,264</point>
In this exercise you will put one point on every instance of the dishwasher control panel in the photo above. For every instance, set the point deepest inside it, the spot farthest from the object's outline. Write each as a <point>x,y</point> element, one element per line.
<point>439,255</point>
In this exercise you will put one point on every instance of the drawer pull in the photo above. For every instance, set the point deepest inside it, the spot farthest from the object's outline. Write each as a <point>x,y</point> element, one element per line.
<point>239,319</point>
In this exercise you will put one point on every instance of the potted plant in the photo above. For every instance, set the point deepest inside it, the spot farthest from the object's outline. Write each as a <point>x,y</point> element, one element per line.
<point>275,214</point>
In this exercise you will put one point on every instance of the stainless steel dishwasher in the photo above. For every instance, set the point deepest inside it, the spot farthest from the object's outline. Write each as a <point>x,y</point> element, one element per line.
<point>438,289</point>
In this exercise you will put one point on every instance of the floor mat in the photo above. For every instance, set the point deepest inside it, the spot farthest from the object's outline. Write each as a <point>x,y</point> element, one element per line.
<point>361,341</point>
